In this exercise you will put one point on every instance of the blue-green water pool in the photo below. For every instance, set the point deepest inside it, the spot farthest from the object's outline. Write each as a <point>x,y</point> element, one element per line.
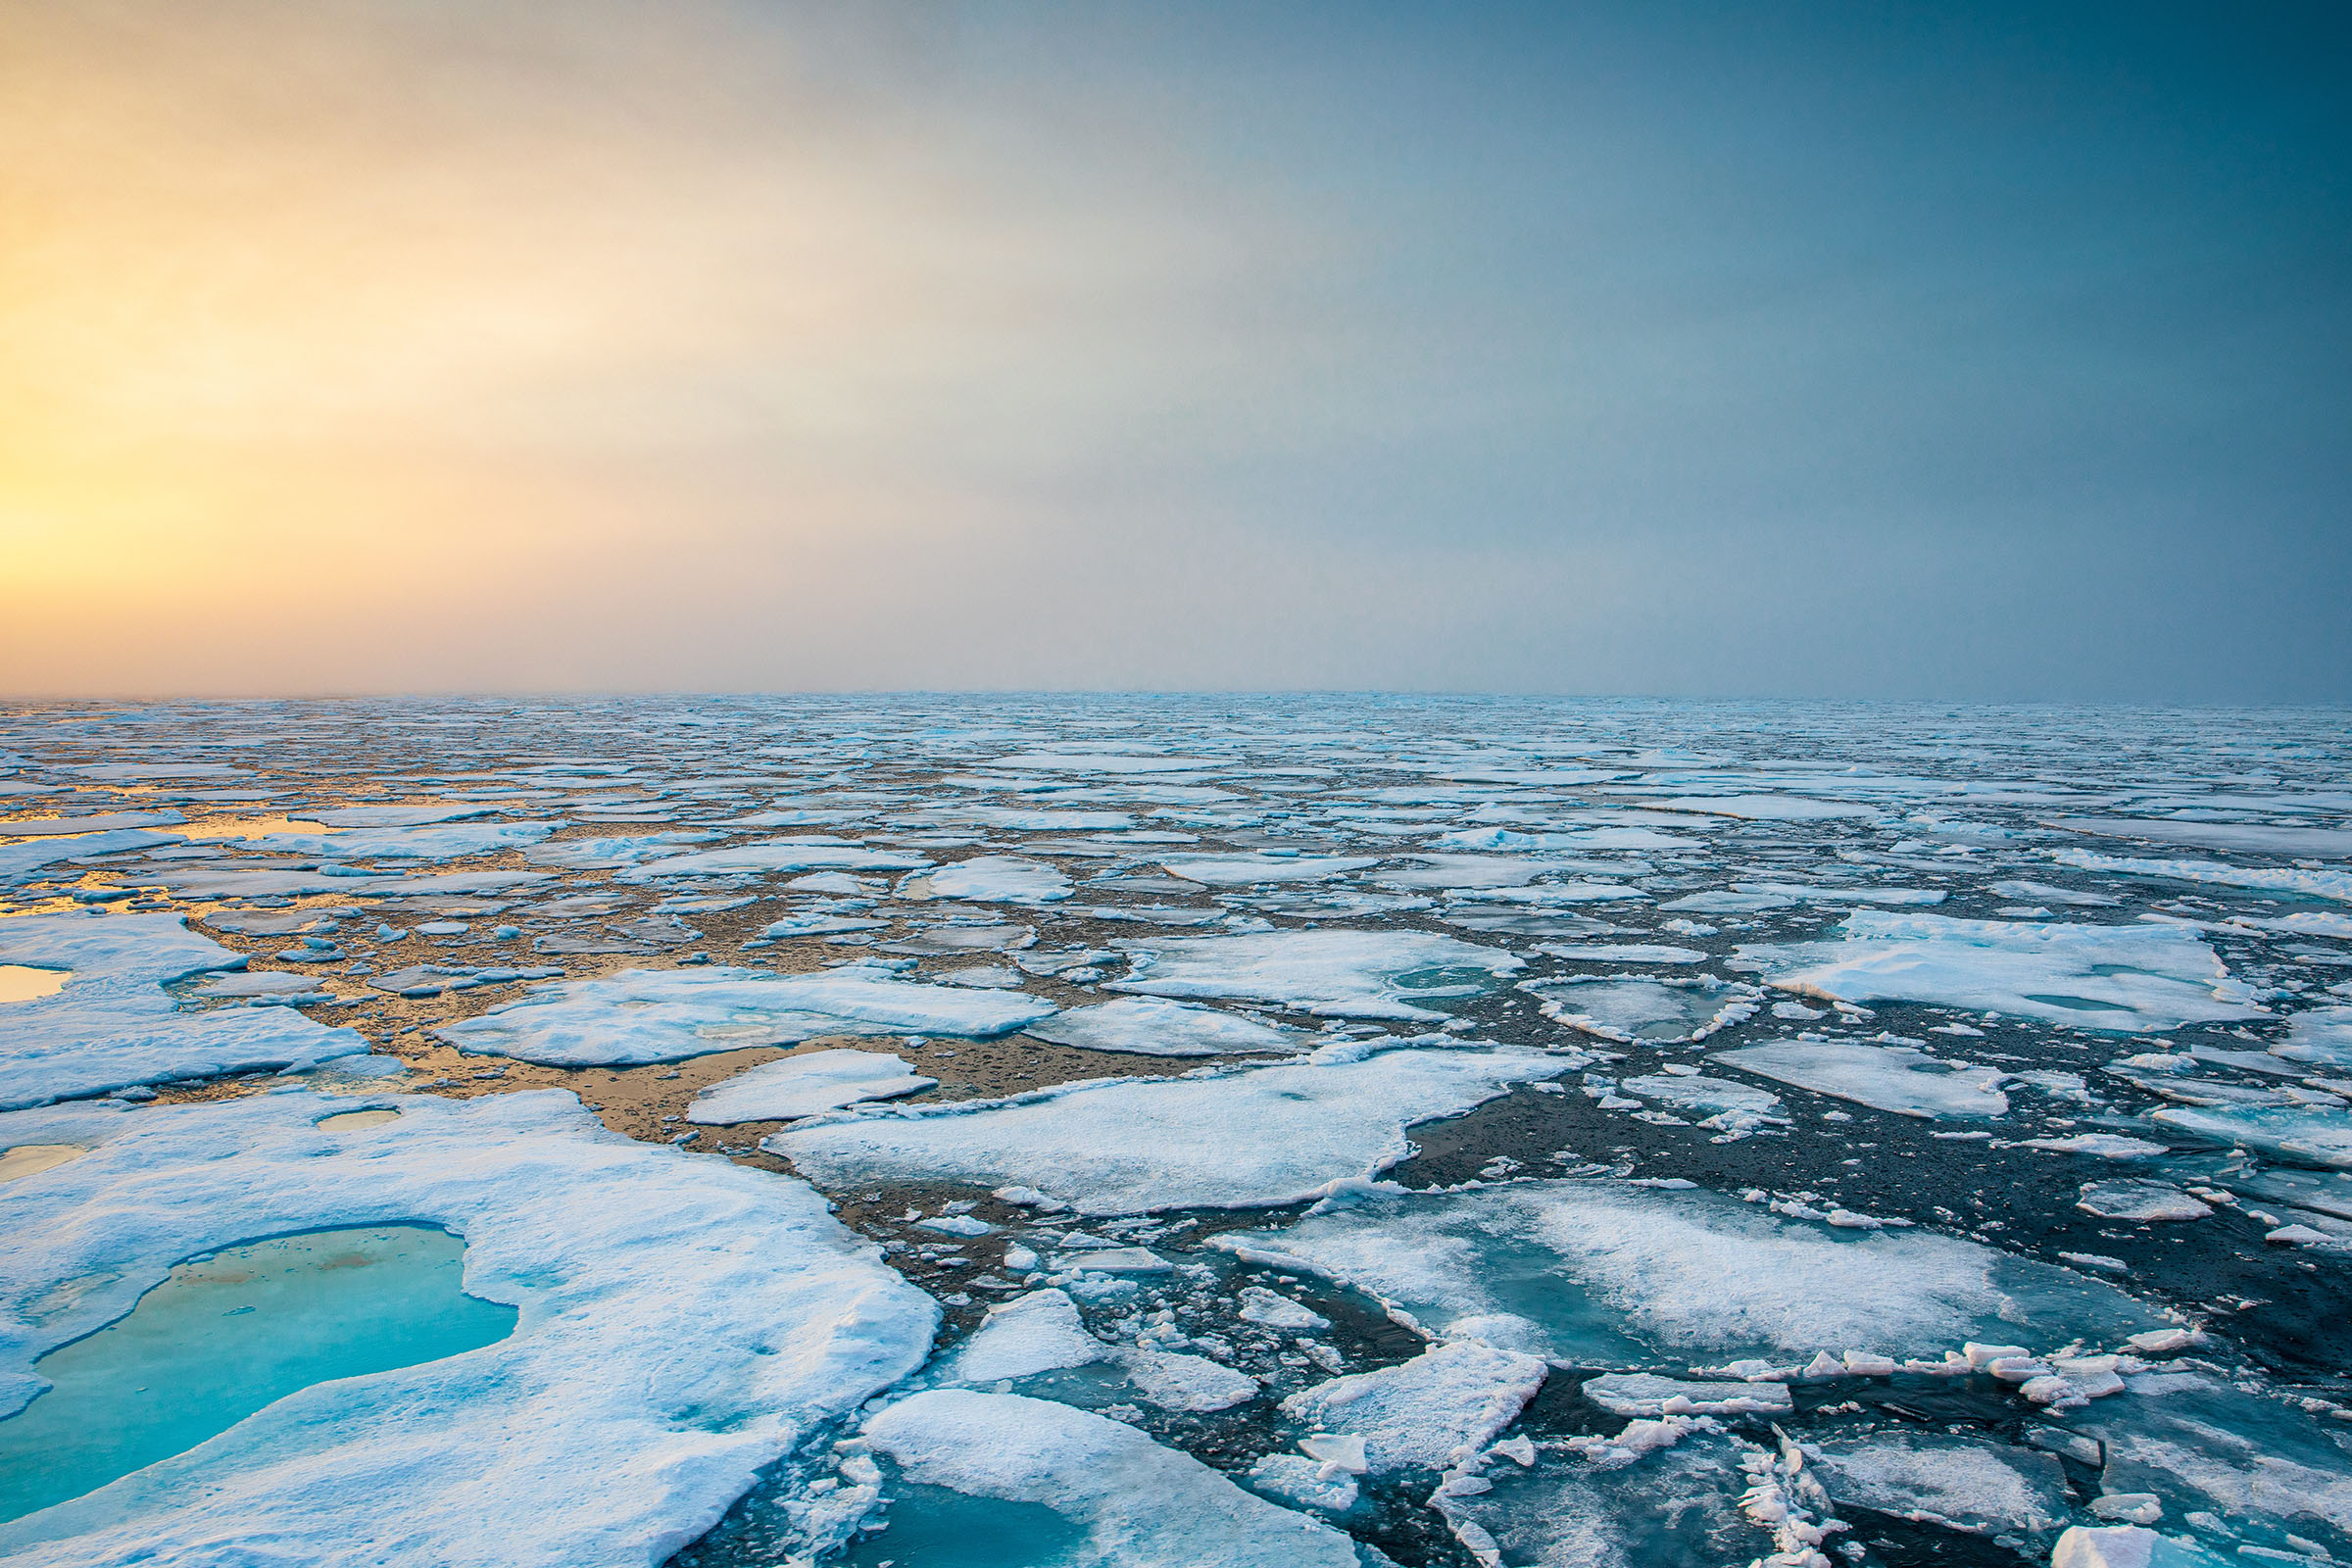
<point>229,1333</point>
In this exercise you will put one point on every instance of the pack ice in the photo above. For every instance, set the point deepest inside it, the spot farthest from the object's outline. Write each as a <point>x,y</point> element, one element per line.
<point>112,1025</point>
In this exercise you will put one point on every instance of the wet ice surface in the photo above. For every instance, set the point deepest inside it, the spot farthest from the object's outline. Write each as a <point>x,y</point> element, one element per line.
<point>1416,1131</point>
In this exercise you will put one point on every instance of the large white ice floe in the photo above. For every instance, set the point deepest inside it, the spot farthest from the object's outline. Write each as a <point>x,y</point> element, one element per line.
<point>2127,978</point>
<point>684,1323</point>
<point>1648,1009</point>
<point>447,841</point>
<point>1228,1137</point>
<point>1128,1501</point>
<point>1153,1026</point>
<point>775,856</point>
<point>1430,1413</point>
<point>2288,880</point>
<point>804,1085</point>
<point>644,1015</point>
<point>1244,870</point>
<point>1340,974</point>
<point>990,879</point>
<point>112,1025</point>
<point>1897,1078</point>
<point>1598,1273</point>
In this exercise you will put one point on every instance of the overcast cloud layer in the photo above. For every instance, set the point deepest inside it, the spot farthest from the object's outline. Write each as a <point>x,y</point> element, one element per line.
<point>1836,350</point>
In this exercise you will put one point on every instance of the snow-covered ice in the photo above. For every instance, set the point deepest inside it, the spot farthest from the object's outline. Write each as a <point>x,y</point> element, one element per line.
<point>639,1396</point>
<point>1153,1026</point>
<point>1234,1137</point>
<point>2127,978</point>
<point>667,1014</point>
<point>804,1085</point>
<point>1340,974</point>
<point>112,1025</point>
<point>1898,1078</point>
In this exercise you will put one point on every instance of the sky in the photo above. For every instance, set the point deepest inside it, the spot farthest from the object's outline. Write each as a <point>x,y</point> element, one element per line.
<point>1840,350</point>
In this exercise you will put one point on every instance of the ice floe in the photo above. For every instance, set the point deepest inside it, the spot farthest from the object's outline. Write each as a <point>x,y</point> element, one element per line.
<point>804,1085</point>
<point>2128,978</point>
<point>1153,1026</point>
<point>1343,974</point>
<point>1898,1078</point>
<point>1429,1413</point>
<point>990,879</point>
<point>1598,1273</point>
<point>1644,1008</point>
<point>1133,1503</point>
<point>640,1395</point>
<point>667,1014</point>
<point>1232,1137</point>
<point>112,1025</point>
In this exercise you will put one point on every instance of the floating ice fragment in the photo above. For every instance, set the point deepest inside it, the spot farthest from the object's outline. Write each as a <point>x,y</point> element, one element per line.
<point>990,879</point>
<point>1598,1273</point>
<point>1893,1078</point>
<point>803,1085</point>
<point>2127,978</point>
<point>2140,1201</point>
<point>1979,1488</point>
<point>1345,974</point>
<point>644,1015</point>
<point>1138,1504</point>
<point>1643,1394</point>
<point>1235,1137</point>
<point>1644,1008</point>
<point>1429,1413</point>
<point>1153,1026</point>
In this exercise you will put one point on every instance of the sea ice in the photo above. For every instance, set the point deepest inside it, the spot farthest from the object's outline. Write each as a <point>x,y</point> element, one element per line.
<point>1429,1413</point>
<point>640,1395</point>
<point>1224,1137</point>
<point>1644,1008</point>
<point>804,1085</point>
<point>1137,1504</point>
<point>665,1014</point>
<point>112,1025</point>
<point>1244,870</point>
<point>1153,1026</point>
<point>2300,1134</point>
<point>2290,880</point>
<point>1342,974</point>
<point>1597,1273</point>
<point>1673,1505</point>
<point>990,879</point>
<point>2140,1202</point>
<point>775,856</point>
<point>1896,1078</point>
<point>2128,978</point>
<point>1981,1488</point>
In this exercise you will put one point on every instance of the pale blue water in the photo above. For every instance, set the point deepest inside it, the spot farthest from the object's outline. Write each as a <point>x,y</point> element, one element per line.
<point>229,1333</point>
<point>932,1527</point>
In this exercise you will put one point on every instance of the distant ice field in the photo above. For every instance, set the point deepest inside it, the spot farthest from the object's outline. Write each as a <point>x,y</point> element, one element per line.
<point>979,1132</point>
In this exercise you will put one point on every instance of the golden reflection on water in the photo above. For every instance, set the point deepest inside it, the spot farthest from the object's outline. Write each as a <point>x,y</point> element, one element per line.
<point>22,983</point>
<point>247,827</point>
